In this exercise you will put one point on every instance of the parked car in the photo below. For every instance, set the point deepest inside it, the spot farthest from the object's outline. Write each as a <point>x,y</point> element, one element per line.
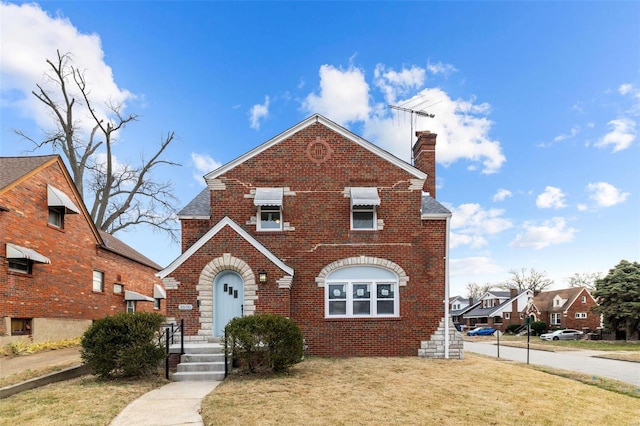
<point>566,334</point>
<point>460,327</point>
<point>482,331</point>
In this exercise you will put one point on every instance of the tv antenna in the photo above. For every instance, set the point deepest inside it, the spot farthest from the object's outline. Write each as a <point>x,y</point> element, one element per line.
<point>413,112</point>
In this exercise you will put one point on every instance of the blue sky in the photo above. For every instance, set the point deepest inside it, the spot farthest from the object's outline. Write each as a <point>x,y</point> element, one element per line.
<point>537,105</point>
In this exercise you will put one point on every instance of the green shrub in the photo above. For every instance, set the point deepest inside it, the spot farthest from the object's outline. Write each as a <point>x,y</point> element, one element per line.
<point>264,340</point>
<point>123,345</point>
<point>539,327</point>
<point>511,328</point>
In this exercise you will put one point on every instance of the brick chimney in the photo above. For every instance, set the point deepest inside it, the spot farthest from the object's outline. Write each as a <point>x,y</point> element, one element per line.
<point>424,158</point>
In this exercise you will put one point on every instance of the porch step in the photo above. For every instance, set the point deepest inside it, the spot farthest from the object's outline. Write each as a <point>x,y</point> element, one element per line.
<point>200,362</point>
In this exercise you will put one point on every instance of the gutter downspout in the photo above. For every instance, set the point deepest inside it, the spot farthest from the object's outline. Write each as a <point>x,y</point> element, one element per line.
<point>446,291</point>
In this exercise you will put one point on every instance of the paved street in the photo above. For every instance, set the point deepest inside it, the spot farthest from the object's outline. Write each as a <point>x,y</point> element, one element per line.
<point>580,361</point>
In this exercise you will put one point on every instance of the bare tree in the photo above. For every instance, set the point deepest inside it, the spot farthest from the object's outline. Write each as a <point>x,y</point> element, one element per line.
<point>586,280</point>
<point>527,279</point>
<point>476,291</point>
<point>123,195</point>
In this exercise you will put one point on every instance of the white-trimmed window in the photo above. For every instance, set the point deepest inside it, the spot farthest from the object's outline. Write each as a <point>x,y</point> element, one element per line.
<point>581,315</point>
<point>98,281</point>
<point>583,299</point>
<point>131,306</point>
<point>269,204</point>
<point>364,203</point>
<point>507,315</point>
<point>56,217</point>
<point>555,319</point>
<point>361,291</point>
<point>156,303</point>
<point>118,288</point>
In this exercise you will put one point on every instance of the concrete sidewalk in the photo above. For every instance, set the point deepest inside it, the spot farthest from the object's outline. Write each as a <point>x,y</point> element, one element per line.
<point>582,361</point>
<point>176,403</point>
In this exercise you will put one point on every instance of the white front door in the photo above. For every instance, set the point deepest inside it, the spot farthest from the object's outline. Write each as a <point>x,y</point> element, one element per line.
<point>228,296</point>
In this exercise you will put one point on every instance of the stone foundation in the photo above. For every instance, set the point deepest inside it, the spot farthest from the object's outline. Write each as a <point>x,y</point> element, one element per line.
<point>434,348</point>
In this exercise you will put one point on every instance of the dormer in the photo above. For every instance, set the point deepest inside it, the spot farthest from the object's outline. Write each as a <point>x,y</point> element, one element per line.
<point>558,301</point>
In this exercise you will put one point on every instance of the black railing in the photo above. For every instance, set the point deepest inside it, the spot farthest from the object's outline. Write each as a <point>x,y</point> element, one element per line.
<point>168,337</point>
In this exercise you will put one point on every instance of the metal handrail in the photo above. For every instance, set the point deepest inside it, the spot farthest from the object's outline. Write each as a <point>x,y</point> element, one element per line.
<point>169,339</point>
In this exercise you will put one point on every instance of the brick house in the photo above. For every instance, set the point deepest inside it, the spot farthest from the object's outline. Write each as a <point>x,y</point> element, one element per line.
<point>567,308</point>
<point>321,226</point>
<point>58,272</point>
<point>499,309</point>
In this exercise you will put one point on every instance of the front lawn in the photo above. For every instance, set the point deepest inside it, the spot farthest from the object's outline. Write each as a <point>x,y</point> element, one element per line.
<point>415,391</point>
<point>598,345</point>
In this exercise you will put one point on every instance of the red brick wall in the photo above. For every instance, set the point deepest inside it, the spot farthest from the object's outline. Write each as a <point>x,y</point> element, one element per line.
<point>591,322</point>
<point>320,214</point>
<point>62,289</point>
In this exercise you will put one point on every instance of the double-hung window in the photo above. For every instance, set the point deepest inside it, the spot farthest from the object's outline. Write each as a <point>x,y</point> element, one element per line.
<point>269,203</point>
<point>59,204</point>
<point>581,315</point>
<point>364,203</point>
<point>555,319</point>
<point>98,281</point>
<point>361,291</point>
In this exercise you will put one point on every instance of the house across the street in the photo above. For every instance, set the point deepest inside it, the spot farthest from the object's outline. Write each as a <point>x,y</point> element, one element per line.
<point>319,225</point>
<point>58,272</point>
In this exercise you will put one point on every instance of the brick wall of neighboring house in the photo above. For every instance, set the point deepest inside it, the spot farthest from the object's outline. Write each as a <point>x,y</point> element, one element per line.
<point>591,322</point>
<point>317,233</point>
<point>64,288</point>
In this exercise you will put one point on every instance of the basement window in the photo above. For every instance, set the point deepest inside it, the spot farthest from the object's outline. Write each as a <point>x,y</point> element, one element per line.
<point>20,326</point>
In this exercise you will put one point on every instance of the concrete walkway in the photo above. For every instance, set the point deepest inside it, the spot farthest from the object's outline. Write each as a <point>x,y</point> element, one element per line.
<point>582,361</point>
<point>176,403</point>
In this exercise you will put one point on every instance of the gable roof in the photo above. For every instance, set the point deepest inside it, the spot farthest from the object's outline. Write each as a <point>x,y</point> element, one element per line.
<point>544,300</point>
<point>226,221</point>
<point>14,170</point>
<point>479,311</point>
<point>431,209</point>
<point>198,208</point>
<point>317,118</point>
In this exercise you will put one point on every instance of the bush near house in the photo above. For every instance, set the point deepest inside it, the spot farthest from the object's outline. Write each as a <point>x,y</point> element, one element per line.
<point>123,345</point>
<point>511,328</point>
<point>539,327</point>
<point>264,340</point>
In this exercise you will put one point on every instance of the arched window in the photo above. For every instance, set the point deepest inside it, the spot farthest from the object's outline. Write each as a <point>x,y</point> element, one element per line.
<point>361,291</point>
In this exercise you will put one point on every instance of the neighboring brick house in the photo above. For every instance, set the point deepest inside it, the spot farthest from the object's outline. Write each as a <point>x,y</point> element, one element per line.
<point>58,272</point>
<point>321,226</point>
<point>499,309</point>
<point>567,308</point>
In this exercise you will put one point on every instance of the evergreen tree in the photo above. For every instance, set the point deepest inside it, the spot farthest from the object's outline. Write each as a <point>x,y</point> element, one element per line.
<point>618,295</point>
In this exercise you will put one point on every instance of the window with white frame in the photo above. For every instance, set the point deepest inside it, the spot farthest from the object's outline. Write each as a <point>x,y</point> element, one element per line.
<point>581,315</point>
<point>362,291</point>
<point>584,299</point>
<point>156,303</point>
<point>131,306</point>
<point>364,203</point>
<point>56,217</point>
<point>269,203</point>
<point>98,281</point>
<point>555,319</point>
<point>507,315</point>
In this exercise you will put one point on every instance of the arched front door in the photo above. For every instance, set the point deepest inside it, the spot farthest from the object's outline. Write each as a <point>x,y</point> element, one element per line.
<point>228,296</point>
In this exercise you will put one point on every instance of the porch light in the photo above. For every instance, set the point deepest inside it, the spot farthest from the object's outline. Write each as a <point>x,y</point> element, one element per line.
<point>262,276</point>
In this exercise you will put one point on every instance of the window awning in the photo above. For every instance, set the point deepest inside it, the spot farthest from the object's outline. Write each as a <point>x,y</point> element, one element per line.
<point>158,292</point>
<point>132,295</point>
<point>57,198</point>
<point>364,197</point>
<point>18,252</point>
<point>268,197</point>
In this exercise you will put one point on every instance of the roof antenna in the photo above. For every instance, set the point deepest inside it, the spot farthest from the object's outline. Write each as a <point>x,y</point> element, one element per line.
<point>412,112</point>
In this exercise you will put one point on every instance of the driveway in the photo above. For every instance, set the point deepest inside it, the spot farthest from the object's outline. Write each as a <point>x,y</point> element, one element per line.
<point>582,361</point>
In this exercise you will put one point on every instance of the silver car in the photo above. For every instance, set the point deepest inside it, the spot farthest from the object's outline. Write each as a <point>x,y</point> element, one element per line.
<point>566,334</point>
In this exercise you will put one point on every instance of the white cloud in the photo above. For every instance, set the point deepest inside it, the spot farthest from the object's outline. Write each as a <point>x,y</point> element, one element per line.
<point>462,126</point>
<point>621,136</point>
<point>572,133</point>
<point>501,195</point>
<point>469,224</point>
<point>440,68</point>
<point>472,266</point>
<point>258,112</point>
<point>582,207</point>
<point>550,232</point>
<point>203,164</point>
<point>552,197</point>
<point>625,88</point>
<point>393,83</point>
<point>343,97</point>
<point>29,37</point>
<point>605,194</point>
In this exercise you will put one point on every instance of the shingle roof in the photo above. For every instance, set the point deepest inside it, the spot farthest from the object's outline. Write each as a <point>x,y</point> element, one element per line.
<point>431,207</point>
<point>199,206</point>
<point>544,300</point>
<point>118,247</point>
<point>13,168</point>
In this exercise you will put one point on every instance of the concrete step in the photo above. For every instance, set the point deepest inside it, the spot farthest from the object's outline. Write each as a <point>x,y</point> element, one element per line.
<point>202,358</point>
<point>198,348</point>
<point>197,376</point>
<point>213,367</point>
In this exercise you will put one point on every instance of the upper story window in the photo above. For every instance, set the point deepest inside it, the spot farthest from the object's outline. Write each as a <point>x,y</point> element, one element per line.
<point>584,299</point>
<point>21,259</point>
<point>364,203</point>
<point>361,291</point>
<point>59,205</point>
<point>269,203</point>
<point>98,281</point>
